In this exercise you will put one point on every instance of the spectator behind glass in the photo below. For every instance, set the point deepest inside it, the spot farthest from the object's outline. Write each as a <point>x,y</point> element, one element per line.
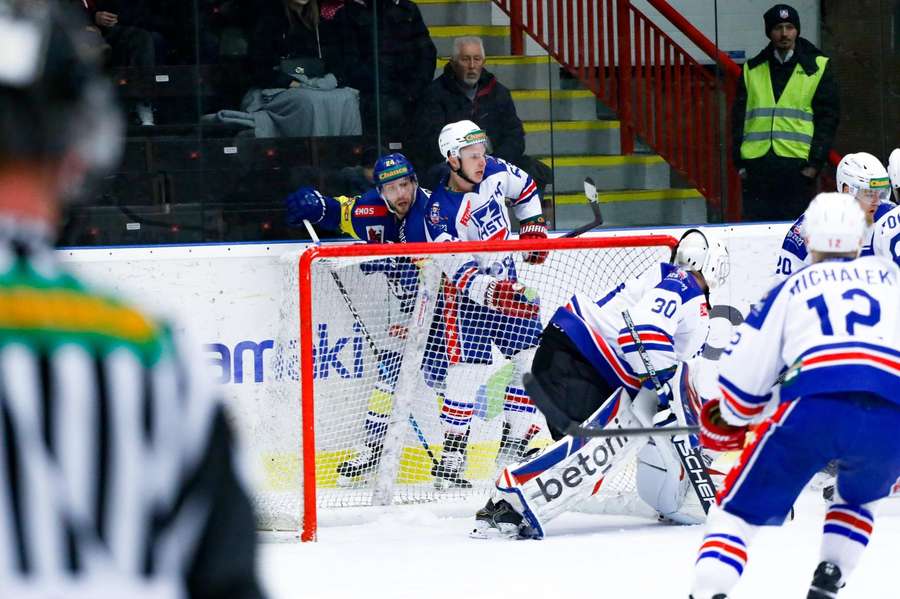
<point>298,59</point>
<point>406,63</point>
<point>468,91</point>
<point>785,116</point>
<point>135,30</point>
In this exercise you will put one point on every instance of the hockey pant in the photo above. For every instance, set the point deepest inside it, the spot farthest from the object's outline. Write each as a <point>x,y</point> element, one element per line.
<point>857,430</point>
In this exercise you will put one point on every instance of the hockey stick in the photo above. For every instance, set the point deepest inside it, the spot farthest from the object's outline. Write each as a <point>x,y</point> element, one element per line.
<point>365,333</point>
<point>590,192</point>
<point>560,420</point>
<point>690,457</point>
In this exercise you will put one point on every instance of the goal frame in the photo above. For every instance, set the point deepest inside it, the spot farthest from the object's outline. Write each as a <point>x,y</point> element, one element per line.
<point>309,516</point>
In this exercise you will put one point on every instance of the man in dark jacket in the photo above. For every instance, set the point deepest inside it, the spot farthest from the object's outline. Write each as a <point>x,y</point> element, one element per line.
<point>405,65</point>
<point>785,116</point>
<point>468,91</point>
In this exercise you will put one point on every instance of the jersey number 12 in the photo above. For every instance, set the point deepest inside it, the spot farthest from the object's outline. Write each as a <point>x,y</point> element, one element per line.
<point>852,319</point>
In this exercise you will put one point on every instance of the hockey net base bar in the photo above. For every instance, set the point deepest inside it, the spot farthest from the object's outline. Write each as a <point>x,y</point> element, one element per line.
<point>387,364</point>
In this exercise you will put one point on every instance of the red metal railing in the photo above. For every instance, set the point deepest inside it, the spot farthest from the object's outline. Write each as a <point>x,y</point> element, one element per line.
<point>678,106</point>
<point>660,92</point>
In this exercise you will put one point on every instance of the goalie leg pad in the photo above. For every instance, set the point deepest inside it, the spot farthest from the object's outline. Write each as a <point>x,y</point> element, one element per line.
<point>662,484</point>
<point>570,470</point>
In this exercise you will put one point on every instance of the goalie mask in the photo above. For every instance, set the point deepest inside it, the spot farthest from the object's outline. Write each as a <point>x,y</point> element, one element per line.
<point>701,253</point>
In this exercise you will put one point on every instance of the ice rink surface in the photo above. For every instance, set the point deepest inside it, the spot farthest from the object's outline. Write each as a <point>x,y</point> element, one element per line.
<point>424,552</point>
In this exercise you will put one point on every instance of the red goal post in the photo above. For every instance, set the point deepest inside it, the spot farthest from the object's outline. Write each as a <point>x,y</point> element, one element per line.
<point>623,257</point>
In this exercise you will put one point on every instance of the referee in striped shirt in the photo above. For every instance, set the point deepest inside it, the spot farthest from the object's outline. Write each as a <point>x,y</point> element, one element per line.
<point>117,477</point>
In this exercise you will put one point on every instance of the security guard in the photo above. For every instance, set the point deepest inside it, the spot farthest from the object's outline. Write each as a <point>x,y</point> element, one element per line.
<point>786,113</point>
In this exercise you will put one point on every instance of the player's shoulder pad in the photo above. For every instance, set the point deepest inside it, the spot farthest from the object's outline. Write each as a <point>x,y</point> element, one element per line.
<point>890,269</point>
<point>793,240</point>
<point>680,281</point>
<point>496,165</point>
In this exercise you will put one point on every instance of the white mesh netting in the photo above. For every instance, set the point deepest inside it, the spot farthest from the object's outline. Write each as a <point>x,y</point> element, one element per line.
<point>384,393</point>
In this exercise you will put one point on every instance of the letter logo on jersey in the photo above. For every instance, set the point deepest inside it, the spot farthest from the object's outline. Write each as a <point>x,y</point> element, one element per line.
<point>467,214</point>
<point>366,211</point>
<point>375,234</point>
<point>489,220</point>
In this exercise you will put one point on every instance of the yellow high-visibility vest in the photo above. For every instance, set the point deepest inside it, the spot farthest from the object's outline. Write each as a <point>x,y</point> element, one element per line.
<point>786,126</point>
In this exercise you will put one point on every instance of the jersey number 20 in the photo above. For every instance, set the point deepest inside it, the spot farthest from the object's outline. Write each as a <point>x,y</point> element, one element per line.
<point>818,304</point>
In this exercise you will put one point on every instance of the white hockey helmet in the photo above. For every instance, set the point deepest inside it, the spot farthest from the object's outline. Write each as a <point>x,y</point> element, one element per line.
<point>862,171</point>
<point>834,223</point>
<point>703,253</point>
<point>460,134</point>
<point>894,172</point>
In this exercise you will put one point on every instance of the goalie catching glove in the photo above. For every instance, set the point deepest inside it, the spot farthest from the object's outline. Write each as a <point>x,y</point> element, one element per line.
<point>534,229</point>
<point>715,433</point>
<point>509,298</point>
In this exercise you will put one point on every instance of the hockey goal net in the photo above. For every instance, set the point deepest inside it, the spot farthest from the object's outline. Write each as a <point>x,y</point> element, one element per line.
<point>375,348</point>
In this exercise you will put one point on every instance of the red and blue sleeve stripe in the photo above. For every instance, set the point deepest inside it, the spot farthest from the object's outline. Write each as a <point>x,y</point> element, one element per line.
<point>745,406</point>
<point>465,275</point>
<point>527,193</point>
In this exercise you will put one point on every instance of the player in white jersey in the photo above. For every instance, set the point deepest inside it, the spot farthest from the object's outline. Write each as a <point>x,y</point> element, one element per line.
<point>886,237</point>
<point>833,328</point>
<point>865,178</point>
<point>589,365</point>
<point>894,173</point>
<point>484,306</point>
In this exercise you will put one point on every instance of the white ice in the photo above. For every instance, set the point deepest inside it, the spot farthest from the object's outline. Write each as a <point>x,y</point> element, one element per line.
<point>424,552</point>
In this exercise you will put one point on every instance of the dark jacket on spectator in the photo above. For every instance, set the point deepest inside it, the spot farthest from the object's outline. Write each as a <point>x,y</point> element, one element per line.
<point>273,39</point>
<point>492,109</point>
<point>825,103</point>
<point>145,14</point>
<point>406,54</point>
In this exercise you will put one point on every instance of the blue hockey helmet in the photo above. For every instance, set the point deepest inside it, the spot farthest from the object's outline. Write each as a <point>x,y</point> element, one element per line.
<point>390,168</point>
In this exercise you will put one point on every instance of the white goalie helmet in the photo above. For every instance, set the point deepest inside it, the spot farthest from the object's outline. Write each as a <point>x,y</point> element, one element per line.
<point>894,172</point>
<point>460,134</point>
<point>834,223</point>
<point>703,253</point>
<point>862,171</point>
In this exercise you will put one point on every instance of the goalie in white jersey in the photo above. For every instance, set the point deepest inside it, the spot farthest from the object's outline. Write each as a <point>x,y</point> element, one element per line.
<point>587,355</point>
<point>834,328</point>
<point>865,178</point>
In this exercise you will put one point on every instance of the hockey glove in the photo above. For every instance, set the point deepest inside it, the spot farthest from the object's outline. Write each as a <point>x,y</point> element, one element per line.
<point>305,204</point>
<point>509,298</point>
<point>535,229</point>
<point>715,433</point>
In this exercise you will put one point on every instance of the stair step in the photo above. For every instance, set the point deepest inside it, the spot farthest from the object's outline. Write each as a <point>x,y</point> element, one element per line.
<point>494,37</point>
<point>572,137</point>
<point>609,172</point>
<point>454,12</point>
<point>519,72</point>
<point>568,105</point>
<point>633,207</point>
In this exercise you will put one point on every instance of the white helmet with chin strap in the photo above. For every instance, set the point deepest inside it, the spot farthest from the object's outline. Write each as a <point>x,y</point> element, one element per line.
<point>458,135</point>
<point>699,252</point>
<point>894,173</point>
<point>834,223</point>
<point>862,171</point>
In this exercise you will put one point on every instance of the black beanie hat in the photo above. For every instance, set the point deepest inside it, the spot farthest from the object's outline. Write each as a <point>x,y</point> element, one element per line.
<point>781,13</point>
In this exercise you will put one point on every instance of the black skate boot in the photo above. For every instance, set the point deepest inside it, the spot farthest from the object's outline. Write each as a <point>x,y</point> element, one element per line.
<point>448,473</point>
<point>826,582</point>
<point>513,449</point>
<point>719,596</point>
<point>501,520</point>
<point>365,462</point>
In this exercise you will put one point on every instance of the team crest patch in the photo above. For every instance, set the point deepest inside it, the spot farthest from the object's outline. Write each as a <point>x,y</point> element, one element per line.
<point>704,309</point>
<point>375,234</point>
<point>435,215</point>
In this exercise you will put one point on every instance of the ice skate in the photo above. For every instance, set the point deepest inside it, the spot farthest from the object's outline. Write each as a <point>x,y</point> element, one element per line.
<point>448,473</point>
<point>353,471</point>
<point>826,582</point>
<point>500,520</point>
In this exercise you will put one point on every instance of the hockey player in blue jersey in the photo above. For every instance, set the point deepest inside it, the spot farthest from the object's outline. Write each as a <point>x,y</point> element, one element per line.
<point>589,364</point>
<point>483,306</point>
<point>865,178</point>
<point>374,217</point>
<point>834,329</point>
